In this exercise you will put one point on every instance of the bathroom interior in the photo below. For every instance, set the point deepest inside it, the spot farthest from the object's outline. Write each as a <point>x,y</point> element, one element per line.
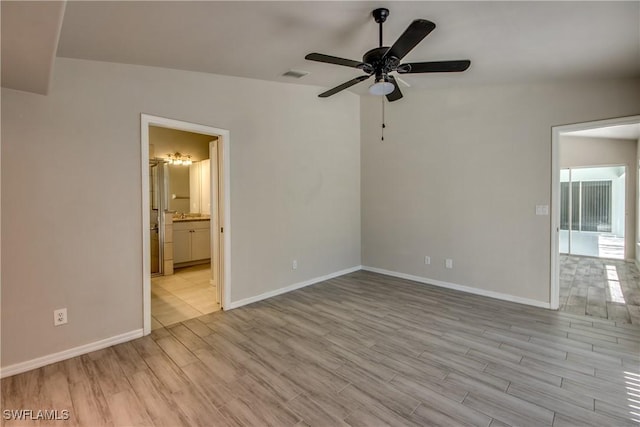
<point>182,202</point>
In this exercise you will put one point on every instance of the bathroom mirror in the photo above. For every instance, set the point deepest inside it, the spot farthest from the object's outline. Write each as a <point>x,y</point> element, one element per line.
<point>178,188</point>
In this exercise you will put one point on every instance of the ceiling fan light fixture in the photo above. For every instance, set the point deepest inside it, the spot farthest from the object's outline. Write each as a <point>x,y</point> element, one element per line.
<point>382,60</point>
<point>381,87</point>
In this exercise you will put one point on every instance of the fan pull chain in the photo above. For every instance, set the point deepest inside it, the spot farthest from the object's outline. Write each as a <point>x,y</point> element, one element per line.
<point>383,125</point>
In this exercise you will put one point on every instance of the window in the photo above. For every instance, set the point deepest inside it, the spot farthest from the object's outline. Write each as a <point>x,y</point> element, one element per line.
<point>590,206</point>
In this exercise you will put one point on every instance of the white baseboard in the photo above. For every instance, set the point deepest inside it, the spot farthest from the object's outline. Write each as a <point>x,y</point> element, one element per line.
<point>245,301</point>
<point>468,289</point>
<point>39,362</point>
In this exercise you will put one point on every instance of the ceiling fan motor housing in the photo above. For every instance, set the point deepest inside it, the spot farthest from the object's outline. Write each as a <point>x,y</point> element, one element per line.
<point>374,61</point>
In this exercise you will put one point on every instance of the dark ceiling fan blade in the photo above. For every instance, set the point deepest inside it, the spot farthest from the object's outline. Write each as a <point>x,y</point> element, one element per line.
<point>435,67</point>
<point>333,60</point>
<point>413,35</point>
<point>343,86</point>
<point>396,94</point>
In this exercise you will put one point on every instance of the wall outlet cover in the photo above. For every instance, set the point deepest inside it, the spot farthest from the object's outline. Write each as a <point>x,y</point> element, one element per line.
<point>60,317</point>
<point>542,209</point>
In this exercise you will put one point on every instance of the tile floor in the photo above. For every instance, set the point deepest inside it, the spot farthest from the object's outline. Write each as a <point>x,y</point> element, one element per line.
<point>182,296</point>
<point>598,287</point>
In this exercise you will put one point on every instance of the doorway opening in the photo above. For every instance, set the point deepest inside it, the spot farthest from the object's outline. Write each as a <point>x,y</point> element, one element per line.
<point>186,230</point>
<point>592,211</point>
<point>595,219</point>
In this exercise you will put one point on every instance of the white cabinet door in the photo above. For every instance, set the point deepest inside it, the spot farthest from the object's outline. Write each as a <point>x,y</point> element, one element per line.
<point>200,244</point>
<point>181,246</point>
<point>205,187</point>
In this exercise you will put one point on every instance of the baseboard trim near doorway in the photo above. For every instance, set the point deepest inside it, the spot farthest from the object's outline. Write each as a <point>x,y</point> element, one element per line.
<point>463,288</point>
<point>284,290</point>
<point>39,362</point>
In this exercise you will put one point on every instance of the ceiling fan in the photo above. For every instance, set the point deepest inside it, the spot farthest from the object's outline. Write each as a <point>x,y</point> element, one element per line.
<point>383,60</point>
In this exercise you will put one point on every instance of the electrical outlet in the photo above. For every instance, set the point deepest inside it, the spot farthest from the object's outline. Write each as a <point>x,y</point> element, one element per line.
<point>60,317</point>
<point>448,263</point>
<point>294,264</point>
<point>427,260</point>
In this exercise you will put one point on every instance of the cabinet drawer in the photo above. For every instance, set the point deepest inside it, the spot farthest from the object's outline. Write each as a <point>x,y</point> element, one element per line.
<point>190,225</point>
<point>198,225</point>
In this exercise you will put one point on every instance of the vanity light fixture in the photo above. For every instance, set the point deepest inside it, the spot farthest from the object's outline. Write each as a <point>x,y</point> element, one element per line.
<point>179,159</point>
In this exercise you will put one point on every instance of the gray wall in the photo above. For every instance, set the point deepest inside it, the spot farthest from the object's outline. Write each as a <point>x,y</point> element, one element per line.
<point>578,151</point>
<point>71,188</point>
<point>460,173</point>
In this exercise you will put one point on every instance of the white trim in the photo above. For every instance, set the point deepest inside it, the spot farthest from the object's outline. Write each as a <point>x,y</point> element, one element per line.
<point>554,280</point>
<point>556,131</point>
<point>224,138</point>
<point>597,124</point>
<point>293,287</point>
<point>146,232</point>
<point>225,287</point>
<point>454,286</point>
<point>39,362</point>
<point>214,215</point>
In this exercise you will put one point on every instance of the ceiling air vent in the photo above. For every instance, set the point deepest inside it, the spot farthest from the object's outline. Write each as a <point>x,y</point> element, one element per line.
<point>296,74</point>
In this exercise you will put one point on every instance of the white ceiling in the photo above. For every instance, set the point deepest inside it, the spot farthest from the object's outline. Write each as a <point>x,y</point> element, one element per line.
<point>629,131</point>
<point>506,41</point>
<point>30,32</point>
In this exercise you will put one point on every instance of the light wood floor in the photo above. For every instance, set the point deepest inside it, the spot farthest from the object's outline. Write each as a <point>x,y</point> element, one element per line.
<point>598,287</point>
<point>360,350</point>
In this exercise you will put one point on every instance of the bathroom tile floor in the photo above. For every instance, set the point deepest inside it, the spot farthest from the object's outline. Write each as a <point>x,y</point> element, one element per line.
<point>600,287</point>
<point>182,296</point>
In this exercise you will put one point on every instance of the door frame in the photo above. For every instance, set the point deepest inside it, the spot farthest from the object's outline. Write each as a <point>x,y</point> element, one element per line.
<point>216,191</point>
<point>556,132</point>
<point>222,234</point>
<point>160,272</point>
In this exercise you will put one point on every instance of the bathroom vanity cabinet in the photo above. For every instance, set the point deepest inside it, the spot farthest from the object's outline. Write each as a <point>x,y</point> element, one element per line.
<point>191,241</point>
